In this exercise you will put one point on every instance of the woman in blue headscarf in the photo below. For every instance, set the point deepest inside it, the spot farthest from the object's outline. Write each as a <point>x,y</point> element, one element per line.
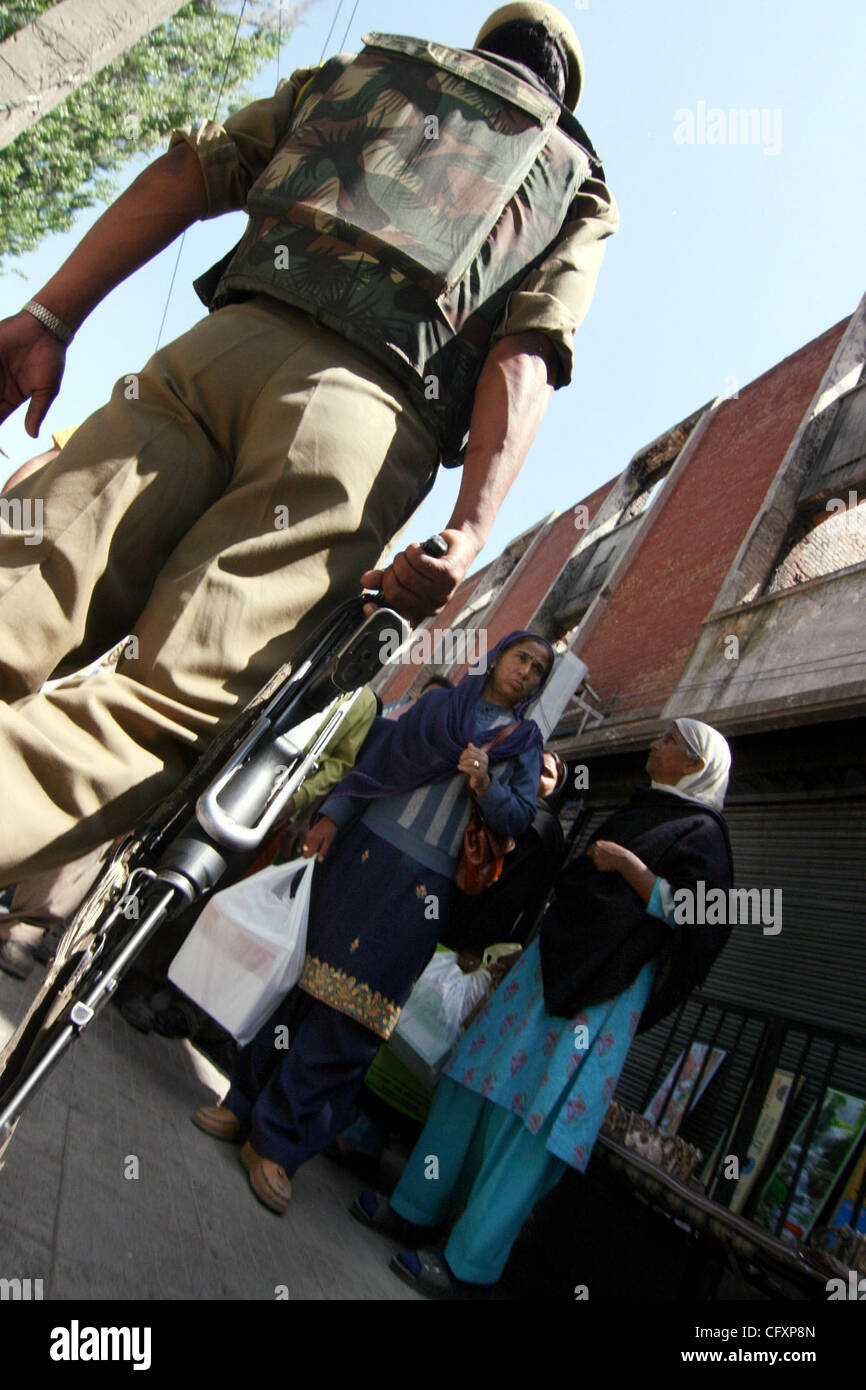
<point>379,902</point>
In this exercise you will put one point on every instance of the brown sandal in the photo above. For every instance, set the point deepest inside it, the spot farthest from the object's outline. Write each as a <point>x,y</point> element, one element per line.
<point>219,1122</point>
<point>270,1182</point>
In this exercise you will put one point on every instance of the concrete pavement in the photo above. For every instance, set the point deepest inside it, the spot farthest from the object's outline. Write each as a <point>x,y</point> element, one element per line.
<point>109,1191</point>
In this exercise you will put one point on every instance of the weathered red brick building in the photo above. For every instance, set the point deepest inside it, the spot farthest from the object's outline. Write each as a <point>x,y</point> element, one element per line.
<point>677,560</point>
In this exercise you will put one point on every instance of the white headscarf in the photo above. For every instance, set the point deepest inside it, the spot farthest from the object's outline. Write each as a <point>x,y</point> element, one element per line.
<point>710,784</point>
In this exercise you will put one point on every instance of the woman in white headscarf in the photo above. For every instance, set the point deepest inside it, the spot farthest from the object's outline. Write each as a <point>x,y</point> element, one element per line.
<point>525,1093</point>
<point>709,780</point>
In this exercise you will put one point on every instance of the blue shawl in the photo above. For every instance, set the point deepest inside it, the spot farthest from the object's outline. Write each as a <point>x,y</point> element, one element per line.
<point>424,744</point>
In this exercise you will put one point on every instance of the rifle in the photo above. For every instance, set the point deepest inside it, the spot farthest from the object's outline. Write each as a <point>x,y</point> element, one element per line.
<point>224,807</point>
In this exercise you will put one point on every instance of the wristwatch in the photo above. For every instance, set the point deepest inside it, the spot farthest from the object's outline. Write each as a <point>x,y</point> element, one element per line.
<point>50,321</point>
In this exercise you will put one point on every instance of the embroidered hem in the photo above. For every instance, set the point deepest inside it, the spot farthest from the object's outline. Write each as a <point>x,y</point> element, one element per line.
<point>350,996</point>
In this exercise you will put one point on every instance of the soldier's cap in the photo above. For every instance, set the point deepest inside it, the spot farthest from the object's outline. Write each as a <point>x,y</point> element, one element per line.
<point>556,24</point>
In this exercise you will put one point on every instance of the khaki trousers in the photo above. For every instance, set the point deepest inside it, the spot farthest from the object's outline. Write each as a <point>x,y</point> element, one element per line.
<point>220,505</point>
<point>49,900</point>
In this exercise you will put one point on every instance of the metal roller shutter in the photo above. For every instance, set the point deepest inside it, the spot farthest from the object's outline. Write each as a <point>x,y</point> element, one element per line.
<point>814,851</point>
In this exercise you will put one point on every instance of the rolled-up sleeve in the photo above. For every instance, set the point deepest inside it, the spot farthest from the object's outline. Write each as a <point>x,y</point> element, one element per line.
<point>233,155</point>
<point>555,297</point>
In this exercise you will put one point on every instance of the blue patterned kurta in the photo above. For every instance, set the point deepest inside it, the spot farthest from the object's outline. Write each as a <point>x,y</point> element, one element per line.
<point>525,1060</point>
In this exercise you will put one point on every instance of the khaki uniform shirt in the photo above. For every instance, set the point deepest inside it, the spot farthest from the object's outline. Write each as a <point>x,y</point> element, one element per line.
<point>552,300</point>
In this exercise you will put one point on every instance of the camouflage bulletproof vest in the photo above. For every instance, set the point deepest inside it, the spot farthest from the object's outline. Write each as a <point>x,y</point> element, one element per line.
<point>415,189</point>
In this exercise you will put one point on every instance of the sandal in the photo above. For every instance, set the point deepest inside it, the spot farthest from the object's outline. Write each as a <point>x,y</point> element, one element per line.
<point>374,1210</point>
<point>427,1272</point>
<point>220,1123</point>
<point>270,1183</point>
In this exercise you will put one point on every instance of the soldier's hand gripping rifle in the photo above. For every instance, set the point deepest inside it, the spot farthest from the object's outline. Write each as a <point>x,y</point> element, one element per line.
<point>225,807</point>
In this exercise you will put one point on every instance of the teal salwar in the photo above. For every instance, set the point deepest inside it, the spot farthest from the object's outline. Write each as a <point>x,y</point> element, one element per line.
<point>485,1159</point>
<point>522,1098</point>
<point>556,1075</point>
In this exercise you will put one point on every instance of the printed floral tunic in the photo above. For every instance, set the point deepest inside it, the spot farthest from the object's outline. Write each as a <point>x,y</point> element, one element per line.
<point>537,1066</point>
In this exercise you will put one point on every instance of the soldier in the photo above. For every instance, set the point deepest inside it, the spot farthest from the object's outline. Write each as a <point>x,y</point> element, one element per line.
<point>426,226</point>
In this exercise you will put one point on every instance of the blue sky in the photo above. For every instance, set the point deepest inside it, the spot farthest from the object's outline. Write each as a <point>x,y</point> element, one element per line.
<point>730,255</point>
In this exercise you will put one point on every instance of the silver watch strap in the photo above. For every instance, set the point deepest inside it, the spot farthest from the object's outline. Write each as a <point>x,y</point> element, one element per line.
<point>50,321</point>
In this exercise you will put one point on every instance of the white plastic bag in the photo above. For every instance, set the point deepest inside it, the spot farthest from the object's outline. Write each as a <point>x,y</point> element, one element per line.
<point>247,948</point>
<point>433,1015</point>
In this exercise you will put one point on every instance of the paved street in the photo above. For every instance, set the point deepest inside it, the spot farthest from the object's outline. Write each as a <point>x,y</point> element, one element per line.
<point>188,1226</point>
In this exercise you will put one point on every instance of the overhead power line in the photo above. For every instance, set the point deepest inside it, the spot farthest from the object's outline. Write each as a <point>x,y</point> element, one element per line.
<point>213,118</point>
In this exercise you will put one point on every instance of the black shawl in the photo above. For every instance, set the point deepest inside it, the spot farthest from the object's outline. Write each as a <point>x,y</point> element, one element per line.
<point>596,934</point>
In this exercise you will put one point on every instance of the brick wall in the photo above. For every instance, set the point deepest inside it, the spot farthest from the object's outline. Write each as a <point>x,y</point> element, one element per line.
<point>638,651</point>
<point>526,588</point>
<point>405,674</point>
<point>835,541</point>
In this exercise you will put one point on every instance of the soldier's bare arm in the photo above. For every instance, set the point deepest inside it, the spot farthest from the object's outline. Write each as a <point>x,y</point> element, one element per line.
<point>164,200</point>
<point>514,390</point>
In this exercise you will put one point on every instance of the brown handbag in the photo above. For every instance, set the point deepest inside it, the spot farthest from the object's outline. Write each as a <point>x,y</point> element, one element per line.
<point>483,854</point>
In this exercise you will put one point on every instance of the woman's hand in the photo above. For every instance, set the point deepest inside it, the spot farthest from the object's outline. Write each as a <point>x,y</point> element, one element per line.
<point>609,857</point>
<point>473,761</point>
<point>295,833</point>
<point>319,839</point>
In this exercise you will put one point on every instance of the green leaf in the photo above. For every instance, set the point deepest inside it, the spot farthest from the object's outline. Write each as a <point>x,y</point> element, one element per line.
<point>70,159</point>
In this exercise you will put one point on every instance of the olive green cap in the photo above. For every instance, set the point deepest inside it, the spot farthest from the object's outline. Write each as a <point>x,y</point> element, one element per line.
<point>555,22</point>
